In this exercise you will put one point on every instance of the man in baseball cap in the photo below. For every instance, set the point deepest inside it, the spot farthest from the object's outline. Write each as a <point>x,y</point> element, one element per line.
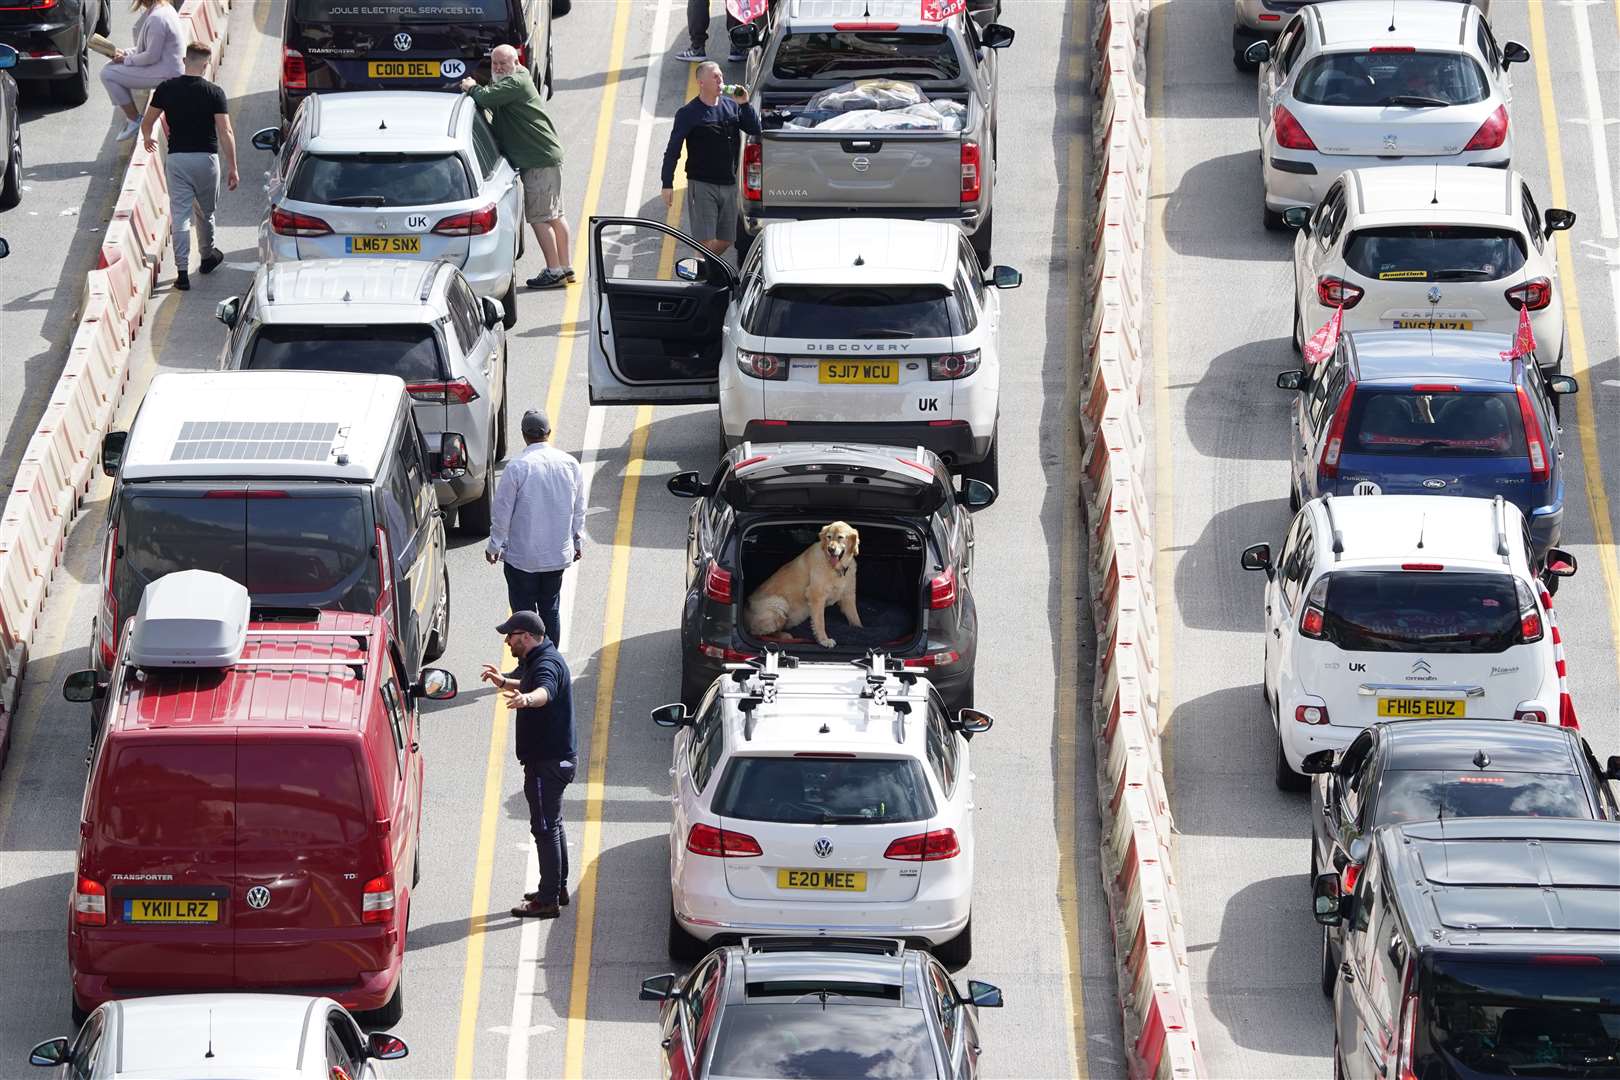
<point>537,522</point>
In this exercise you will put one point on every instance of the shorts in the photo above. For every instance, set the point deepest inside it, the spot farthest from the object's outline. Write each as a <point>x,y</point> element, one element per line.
<point>542,194</point>
<point>711,211</point>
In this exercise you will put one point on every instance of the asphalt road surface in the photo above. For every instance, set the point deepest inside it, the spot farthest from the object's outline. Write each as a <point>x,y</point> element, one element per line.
<point>486,994</point>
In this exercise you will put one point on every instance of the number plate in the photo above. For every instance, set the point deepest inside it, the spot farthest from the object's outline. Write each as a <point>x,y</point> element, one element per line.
<point>826,880</point>
<point>1422,708</point>
<point>403,69</point>
<point>171,911</point>
<point>1434,324</point>
<point>382,245</point>
<point>860,371</point>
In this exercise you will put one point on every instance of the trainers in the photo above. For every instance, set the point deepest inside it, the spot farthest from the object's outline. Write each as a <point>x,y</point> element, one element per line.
<point>129,132</point>
<point>736,56</point>
<point>549,278</point>
<point>568,274</point>
<point>562,897</point>
<point>685,56</point>
<point>182,281</point>
<point>533,909</point>
<point>212,261</point>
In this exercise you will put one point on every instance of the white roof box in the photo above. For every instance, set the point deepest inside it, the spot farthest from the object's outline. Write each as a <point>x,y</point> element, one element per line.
<point>194,618</point>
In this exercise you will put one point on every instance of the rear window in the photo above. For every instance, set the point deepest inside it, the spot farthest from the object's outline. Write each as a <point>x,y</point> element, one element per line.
<point>1548,1015</point>
<point>1420,611</point>
<point>405,11</point>
<point>411,352</point>
<point>298,796</point>
<point>1384,79</point>
<point>867,312</point>
<point>1435,253</point>
<point>824,791</point>
<point>831,1040</point>
<point>848,55</point>
<point>173,795</point>
<point>379,180</point>
<point>1435,423</point>
<point>1428,795</point>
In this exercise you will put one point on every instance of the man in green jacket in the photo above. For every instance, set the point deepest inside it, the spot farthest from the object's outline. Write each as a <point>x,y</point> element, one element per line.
<point>529,141</point>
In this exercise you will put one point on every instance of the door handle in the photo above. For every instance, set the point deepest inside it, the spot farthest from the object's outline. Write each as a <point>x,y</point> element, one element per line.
<point>1276,632</point>
<point>415,746</point>
<point>666,306</point>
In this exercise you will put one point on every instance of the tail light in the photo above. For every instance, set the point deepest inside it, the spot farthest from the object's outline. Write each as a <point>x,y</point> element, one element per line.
<point>717,584</point>
<point>1492,133</point>
<point>107,620</point>
<point>1348,878</point>
<point>1406,1041</point>
<point>1337,292</point>
<point>1534,294</point>
<point>1529,614</point>
<point>1328,467</point>
<point>1313,715</point>
<point>1532,716</point>
<point>1290,136</point>
<point>89,903</point>
<point>457,391</point>
<point>725,655</point>
<point>385,578</point>
<point>1535,440</point>
<point>933,660</point>
<point>721,843</point>
<point>957,365</point>
<point>472,223</point>
<point>971,159</point>
<point>523,56</point>
<point>1313,622</point>
<point>287,223</point>
<point>866,26</point>
<point>942,590</point>
<point>377,900</point>
<point>1423,567</point>
<point>928,846</point>
<point>294,76</point>
<point>753,170</point>
<point>762,365</point>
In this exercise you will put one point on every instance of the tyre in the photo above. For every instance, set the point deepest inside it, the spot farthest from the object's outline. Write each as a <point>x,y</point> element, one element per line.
<point>500,422</point>
<point>957,952</point>
<point>1293,498</point>
<point>1241,40</point>
<point>79,1015</point>
<point>104,20</point>
<point>989,469</point>
<point>963,698</point>
<point>472,519</point>
<point>982,240</point>
<point>391,1013</point>
<point>693,688</point>
<point>439,636</point>
<point>744,242</point>
<point>416,865</point>
<point>509,301</point>
<point>1287,779</point>
<point>1329,970</point>
<point>683,947</point>
<point>75,89</point>
<point>11,183</point>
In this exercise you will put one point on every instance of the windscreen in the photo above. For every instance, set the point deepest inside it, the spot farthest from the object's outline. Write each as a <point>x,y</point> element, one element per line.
<point>409,351</point>
<point>1547,1015</point>
<point>298,796</point>
<point>847,54</point>
<point>824,791</point>
<point>404,11</point>
<point>1391,79</point>
<point>1420,611</point>
<point>368,180</point>
<point>170,796</point>
<point>1439,423</point>
<point>1435,253</point>
<point>1430,794</point>
<point>876,312</point>
<point>833,1039</point>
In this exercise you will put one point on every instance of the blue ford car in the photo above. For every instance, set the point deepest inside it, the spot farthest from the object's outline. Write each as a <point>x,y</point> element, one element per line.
<point>1437,412</point>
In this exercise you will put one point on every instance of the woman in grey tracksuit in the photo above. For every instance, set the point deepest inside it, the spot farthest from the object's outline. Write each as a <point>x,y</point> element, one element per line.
<point>158,55</point>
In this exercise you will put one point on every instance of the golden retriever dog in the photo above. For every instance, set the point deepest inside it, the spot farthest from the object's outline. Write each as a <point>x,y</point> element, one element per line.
<point>821,575</point>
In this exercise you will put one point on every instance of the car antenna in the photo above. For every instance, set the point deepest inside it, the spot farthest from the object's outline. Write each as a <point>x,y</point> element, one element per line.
<point>1482,760</point>
<point>1423,524</point>
<point>1434,200</point>
<point>1392,16</point>
<point>210,1052</point>
<point>866,13</point>
<point>382,125</point>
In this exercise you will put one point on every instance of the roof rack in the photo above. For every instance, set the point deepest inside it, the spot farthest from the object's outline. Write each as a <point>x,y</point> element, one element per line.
<point>1499,517</point>
<point>754,683</point>
<point>1333,527</point>
<point>776,943</point>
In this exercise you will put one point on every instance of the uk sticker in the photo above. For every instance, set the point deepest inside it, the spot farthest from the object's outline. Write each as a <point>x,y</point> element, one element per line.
<point>452,69</point>
<point>1366,487</point>
<point>417,222</point>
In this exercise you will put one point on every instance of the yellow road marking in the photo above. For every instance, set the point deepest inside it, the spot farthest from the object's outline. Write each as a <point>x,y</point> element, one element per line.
<point>483,869</point>
<point>1597,499</point>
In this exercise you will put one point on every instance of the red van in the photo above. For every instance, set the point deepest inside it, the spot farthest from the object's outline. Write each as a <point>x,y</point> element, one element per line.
<point>251,815</point>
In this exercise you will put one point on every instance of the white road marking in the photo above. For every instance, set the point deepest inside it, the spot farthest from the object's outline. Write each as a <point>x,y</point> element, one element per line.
<point>1600,150</point>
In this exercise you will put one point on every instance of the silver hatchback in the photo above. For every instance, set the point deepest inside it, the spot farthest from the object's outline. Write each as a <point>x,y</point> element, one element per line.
<point>401,174</point>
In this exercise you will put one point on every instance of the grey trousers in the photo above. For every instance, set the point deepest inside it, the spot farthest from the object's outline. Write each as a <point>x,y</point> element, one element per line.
<point>193,178</point>
<point>122,82</point>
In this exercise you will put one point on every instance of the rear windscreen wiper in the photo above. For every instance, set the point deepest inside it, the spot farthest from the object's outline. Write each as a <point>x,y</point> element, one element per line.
<point>883,334</point>
<point>1416,101</point>
<point>358,200</point>
<point>1461,273</point>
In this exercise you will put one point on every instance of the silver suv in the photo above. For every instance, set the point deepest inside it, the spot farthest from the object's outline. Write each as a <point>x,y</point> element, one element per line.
<point>405,174</point>
<point>417,320</point>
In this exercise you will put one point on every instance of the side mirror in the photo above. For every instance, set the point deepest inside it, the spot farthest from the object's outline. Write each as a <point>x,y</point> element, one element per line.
<point>267,139</point>
<point>1555,220</point>
<point>1258,53</point>
<point>227,310</point>
<point>1326,902</point>
<point>1005,277</point>
<point>1514,53</point>
<point>51,1051</point>
<point>452,456</point>
<point>1317,762</point>
<point>385,1047</point>
<point>83,687</point>
<point>1257,557</point>
<point>996,36</point>
<point>112,451</point>
<point>1613,771</point>
<point>1297,217</point>
<point>494,312</point>
<point>1291,380</point>
<point>5,248</point>
<point>436,684</point>
<point>1560,563</point>
<point>972,722</point>
<point>1563,385</point>
<point>687,269</point>
<point>686,485</point>
<point>984,995</point>
<point>8,57</point>
<point>659,987</point>
<point>671,715</point>
<point>976,494</point>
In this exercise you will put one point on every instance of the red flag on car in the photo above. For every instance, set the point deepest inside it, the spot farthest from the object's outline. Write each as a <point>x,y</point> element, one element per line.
<point>746,11</point>
<point>1325,340</point>
<point>940,10</point>
<point>1524,341</point>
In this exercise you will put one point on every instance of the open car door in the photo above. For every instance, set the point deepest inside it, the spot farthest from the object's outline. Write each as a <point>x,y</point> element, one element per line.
<point>658,314</point>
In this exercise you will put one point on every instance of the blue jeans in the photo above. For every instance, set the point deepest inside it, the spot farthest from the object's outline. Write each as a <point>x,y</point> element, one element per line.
<point>543,783</point>
<point>537,590</point>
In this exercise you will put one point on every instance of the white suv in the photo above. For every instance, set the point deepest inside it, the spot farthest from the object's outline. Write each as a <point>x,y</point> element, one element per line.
<point>1386,607</point>
<point>862,329</point>
<point>1447,248</point>
<point>823,799</point>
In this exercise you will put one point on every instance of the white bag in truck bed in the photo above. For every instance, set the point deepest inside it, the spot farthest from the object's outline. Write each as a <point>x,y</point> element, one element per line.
<point>193,618</point>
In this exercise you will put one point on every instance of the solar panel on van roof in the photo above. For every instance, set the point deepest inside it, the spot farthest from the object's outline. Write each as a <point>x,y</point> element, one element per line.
<point>245,440</point>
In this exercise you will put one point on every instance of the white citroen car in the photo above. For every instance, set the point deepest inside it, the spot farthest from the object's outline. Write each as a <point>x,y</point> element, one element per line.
<point>822,799</point>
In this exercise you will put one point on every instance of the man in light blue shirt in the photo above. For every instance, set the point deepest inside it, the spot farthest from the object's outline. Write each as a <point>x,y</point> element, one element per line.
<point>537,523</point>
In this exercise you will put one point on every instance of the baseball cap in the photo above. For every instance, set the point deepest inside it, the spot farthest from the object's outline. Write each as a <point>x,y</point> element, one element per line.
<point>535,424</point>
<point>527,621</point>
